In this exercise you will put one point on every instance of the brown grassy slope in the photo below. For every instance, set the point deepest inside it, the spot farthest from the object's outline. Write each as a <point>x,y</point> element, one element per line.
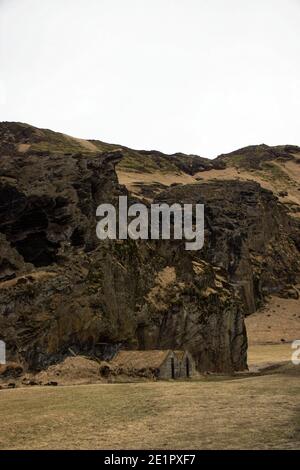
<point>282,176</point>
<point>278,320</point>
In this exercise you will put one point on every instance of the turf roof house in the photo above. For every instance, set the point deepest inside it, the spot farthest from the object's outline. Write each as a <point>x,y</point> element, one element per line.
<point>166,364</point>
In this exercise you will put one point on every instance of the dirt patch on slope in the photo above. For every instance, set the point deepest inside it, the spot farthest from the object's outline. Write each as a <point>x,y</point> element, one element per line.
<point>278,321</point>
<point>34,276</point>
<point>85,144</point>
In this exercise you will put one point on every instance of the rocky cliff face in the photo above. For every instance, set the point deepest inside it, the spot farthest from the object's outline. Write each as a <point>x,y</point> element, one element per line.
<point>61,289</point>
<point>123,294</point>
<point>248,234</point>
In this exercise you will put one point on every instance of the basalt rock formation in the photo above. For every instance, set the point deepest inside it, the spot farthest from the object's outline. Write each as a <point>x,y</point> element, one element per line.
<point>64,291</point>
<point>248,235</point>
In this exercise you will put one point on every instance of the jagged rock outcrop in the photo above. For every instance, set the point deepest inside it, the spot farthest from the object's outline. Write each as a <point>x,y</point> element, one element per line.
<point>50,201</point>
<point>255,156</point>
<point>248,234</point>
<point>131,294</point>
<point>62,289</point>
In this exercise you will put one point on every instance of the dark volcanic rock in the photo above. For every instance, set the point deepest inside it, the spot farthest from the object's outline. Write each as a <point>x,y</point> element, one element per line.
<point>254,156</point>
<point>189,164</point>
<point>131,294</point>
<point>248,234</point>
<point>63,291</point>
<point>49,202</point>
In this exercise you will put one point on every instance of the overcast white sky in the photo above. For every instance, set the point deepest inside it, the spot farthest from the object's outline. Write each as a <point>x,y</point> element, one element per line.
<point>197,76</point>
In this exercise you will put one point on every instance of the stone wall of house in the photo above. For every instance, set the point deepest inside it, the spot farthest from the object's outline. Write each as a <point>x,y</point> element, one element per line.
<point>182,368</point>
<point>165,370</point>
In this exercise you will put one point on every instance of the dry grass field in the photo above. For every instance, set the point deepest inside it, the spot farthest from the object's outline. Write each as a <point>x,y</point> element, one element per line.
<point>264,355</point>
<point>256,410</point>
<point>252,412</point>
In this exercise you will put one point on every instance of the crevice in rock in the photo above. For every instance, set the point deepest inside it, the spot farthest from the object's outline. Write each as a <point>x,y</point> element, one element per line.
<point>77,237</point>
<point>37,249</point>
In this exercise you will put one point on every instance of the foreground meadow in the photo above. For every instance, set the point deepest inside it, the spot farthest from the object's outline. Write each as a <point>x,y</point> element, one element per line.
<point>252,412</point>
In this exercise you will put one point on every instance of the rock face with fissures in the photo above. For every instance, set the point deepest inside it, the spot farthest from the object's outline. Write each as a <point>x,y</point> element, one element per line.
<point>62,289</point>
